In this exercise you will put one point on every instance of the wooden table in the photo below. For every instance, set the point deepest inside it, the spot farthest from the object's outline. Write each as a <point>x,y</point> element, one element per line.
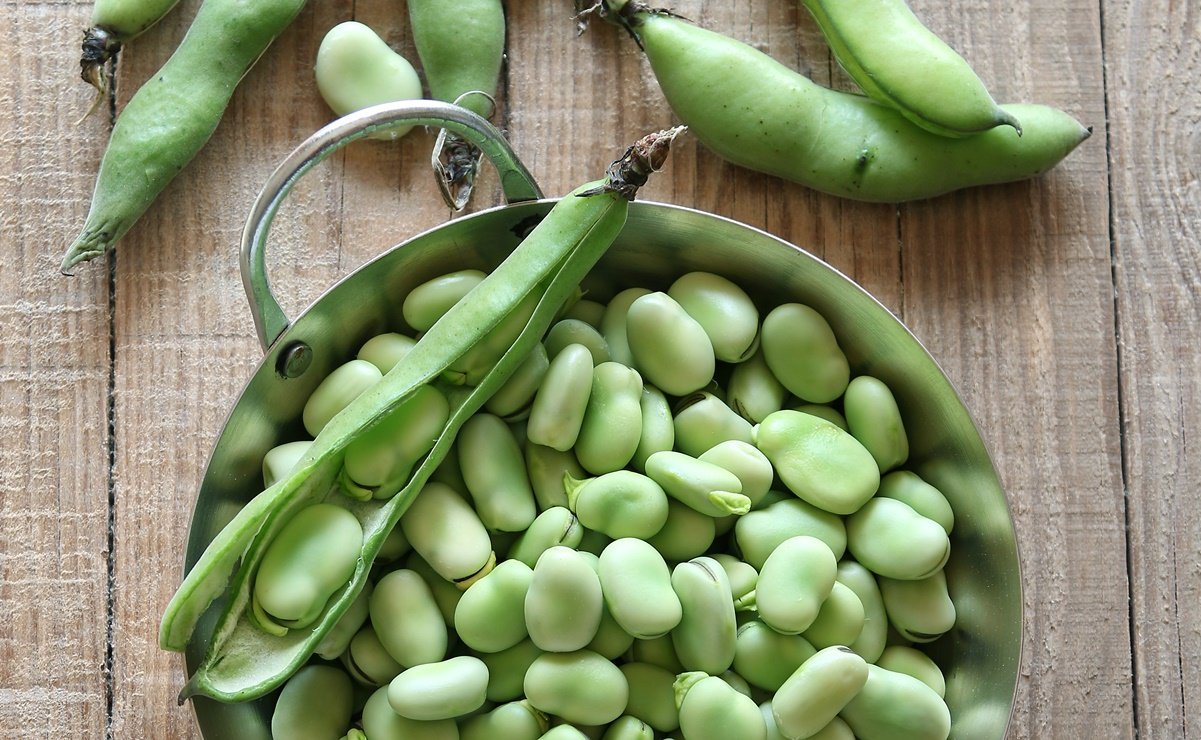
<point>1066,310</point>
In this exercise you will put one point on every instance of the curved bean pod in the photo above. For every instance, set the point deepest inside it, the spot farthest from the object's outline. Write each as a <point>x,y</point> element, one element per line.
<point>386,454</point>
<point>114,24</point>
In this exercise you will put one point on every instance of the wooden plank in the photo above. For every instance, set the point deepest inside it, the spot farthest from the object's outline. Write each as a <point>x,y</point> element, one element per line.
<point>54,378</point>
<point>1152,55</point>
<point>1010,287</point>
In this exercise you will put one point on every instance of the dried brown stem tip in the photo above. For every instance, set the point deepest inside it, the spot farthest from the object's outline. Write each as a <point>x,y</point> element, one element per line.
<point>632,169</point>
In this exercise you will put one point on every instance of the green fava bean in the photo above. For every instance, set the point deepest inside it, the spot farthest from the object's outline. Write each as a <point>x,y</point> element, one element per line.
<point>802,352</point>
<point>814,695</point>
<point>724,311</point>
<point>555,526</point>
<point>507,669</point>
<point>629,728</point>
<point>385,350</point>
<point>818,462</point>
<point>573,331</point>
<point>761,531</point>
<point>660,651</point>
<point>611,640</point>
<point>337,640</point>
<point>313,556</point>
<point>874,419</point>
<point>315,704</point>
<point>744,460</point>
<point>904,659</point>
<point>565,732</point>
<point>356,69</point>
<point>394,546</point>
<point>896,706</point>
<point>548,468</point>
<point>658,428</point>
<point>590,312</point>
<point>516,720</point>
<point>619,504</point>
<point>613,325</point>
<point>282,459</point>
<point>686,534</point>
<point>428,302</point>
<point>909,68</point>
<point>707,488</point>
<point>336,392</point>
<point>559,405</point>
<point>837,729</point>
<point>636,585</point>
<point>446,593</point>
<point>793,582</point>
<point>669,347</point>
<point>387,452</point>
<point>705,638</point>
<point>703,421</point>
<point>754,392</point>
<point>742,576</point>
<point>564,602</point>
<point>822,411</point>
<point>490,616</point>
<point>773,732</point>
<point>446,532</point>
<point>710,709</point>
<point>839,621</point>
<point>874,636</point>
<point>407,619</point>
<point>494,470</point>
<point>892,540</point>
<point>922,497</point>
<point>513,400</point>
<point>381,722</point>
<point>612,419</point>
<point>367,660</point>
<point>444,690</point>
<point>766,658</point>
<point>652,698</point>
<point>921,610</point>
<point>592,543</point>
<point>580,687</point>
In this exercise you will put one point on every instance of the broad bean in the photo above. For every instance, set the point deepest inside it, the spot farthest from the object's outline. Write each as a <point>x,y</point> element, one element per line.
<point>707,488</point>
<point>652,698</point>
<point>555,526</point>
<point>337,640</point>
<point>514,399</point>
<point>564,602</point>
<point>315,704</point>
<point>384,455</point>
<point>611,640</point>
<point>761,531</point>
<point>658,429</point>
<point>904,659</point>
<point>705,638</point>
<point>381,722</point>
<point>619,504</point>
<point>896,706</point>
<point>724,311</point>
<point>741,575</point>
<point>580,687</point>
<point>516,720</point>
<point>443,690</point>
<point>447,533</point>
<point>336,391</point>
<point>612,419</point>
<point>368,661</point>
<point>874,419</point>
<point>814,695</point>
<point>559,405</point>
<point>892,540</point>
<point>793,582</point>
<point>385,350</point>
<point>547,468</point>
<point>765,657</point>
<point>430,301</point>
<point>874,636</point>
<point>356,69</point>
<point>494,470</point>
<point>507,669</point>
<point>839,621</point>
<point>636,585</point>
<point>753,391</point>
<point>710,709</point>
<point>802,352</point>
<point>818,462</point>
<point>574,331</point>
<point>686,534</point>
<point>921,610</point>
<point>703,421</point>
<point>629,728</point>
<point>922,497</point>
<point>491,615</point>
<point>282,459</point>
<point>744,460</point>
<point>614,325</point>
<point>669,347</point>
<point>660,652</point>
<point>407,619</point>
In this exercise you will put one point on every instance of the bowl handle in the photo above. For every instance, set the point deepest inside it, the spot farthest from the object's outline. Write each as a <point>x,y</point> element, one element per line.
<point>516,183</point>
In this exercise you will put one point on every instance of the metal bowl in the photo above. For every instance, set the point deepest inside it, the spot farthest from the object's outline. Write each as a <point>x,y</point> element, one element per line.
<point>980,656</point>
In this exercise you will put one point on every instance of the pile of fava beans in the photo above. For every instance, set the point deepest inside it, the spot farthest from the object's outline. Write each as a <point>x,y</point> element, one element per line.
<point>679,518</point>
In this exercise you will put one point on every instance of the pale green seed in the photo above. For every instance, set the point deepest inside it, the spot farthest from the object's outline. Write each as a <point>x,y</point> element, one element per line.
<point>762,530</point>
<point>386,350</point>
<point>407,619</point>
<point>660,652</point>
<point>753,391</point>
<point>447,533</point>
<point>705,638</point>
<point>874,419</point>
<point>652,699</point>
<point>619,504</point>
<point>613,325</point>
<point>444,690</point>
<point>724,311</point>
<point>839,621</point>
<point>581,687</point>
<point>742,575</point>
<point>686,534</point>
<point>514,399</point>
<point>636,585</point>
<point>573,331</point>
<point>515,720</point>
<point>904,659</point>
<point>494,470</point>
<point>547,467</point>
<point>814,695</point>
<point>280,460</point>
<point>611,640</point>
<point>315,704</point>
<point>896,706</point>
<point>428,302</point>
<point>380,722</point>
<point>710,709</point>
<point>367,660</point>
<point>707,488</point>
<point>793,582</point>
<point>337,640</point>
<point>921,610</point>
<point>922,497</point>
<point>382,457</point>
<point>588,311</point>
<point>669,347</point>
<point>874,636</point>
<point>336,391</point>
<point>744,460</point>
<point>356,69</point>
<point>555,526</point>
<point>658,428</point>
<point>822,411</point>
<point>892,540</point>
<point>564,602</point>
<point>766,658</point>
<point>558,411</point>
<point>818,462</point>
<point>612,421</point>
<point>507,669</point>
<point>490,616</point>
<point>702,421</point>
<point>803,353</point>
<point>629,728</point>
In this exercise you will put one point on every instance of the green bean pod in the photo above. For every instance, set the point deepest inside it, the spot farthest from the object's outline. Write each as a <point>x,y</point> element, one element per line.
<point>612,422</point>
<point>793,582</point>
<point>874,419</point>
<point>708,488</point>
<point>574,331</point>
<point>494,470</point>
<point>174,113</point>
<point>381,722</point>
<point>702,421</point>
<point>652,699</point>
<point>761,531</point>
<point>896,706</point>
<point>818,462</point>
<point>904,659</point>
<point>814,695</point>
<point>892,540</point>
<point>636,585</point>
<point>580,687</point>
<point>766,658</point>
<point>909,68</point>
<point>774,120</point>
<point>705,638</point>
<point>564,601</point>
<point>491,615</point>
<point>385,350</point>
<point>754,392</point>
<point>669,347</point>
<point>240,662</point>
<point>407,620</point>
<point>560,403</point>
<point>614,325</point>
<point>555,526</point>
<point>315,704</point>
<point>723,310</point>
<point>920,610</point>
<point>443,690</point>
<point>114,24</point>
<point>447,533</point>
<point>516,720</point>
<point>710,709</point>
<point>619,504</point>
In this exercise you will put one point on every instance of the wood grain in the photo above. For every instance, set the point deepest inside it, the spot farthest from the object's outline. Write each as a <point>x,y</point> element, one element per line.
<point>1153,56</point>
<point>1065,309</point>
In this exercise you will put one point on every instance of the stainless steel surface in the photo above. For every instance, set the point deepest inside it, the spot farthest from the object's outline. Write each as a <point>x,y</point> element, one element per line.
<point>516,183</point>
